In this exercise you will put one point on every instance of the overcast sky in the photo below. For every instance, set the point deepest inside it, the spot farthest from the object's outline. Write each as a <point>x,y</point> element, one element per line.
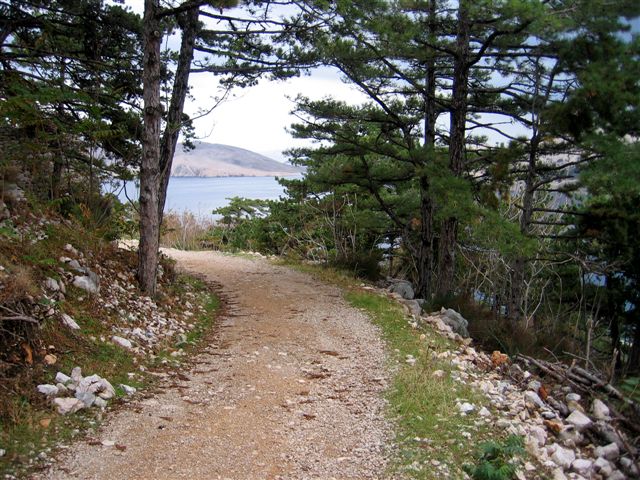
<point>257,118</point>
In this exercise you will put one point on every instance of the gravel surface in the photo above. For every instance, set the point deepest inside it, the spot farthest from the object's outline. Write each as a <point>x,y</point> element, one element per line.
<point>290,389</point>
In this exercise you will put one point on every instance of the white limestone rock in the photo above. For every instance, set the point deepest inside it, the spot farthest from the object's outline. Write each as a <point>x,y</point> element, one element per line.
<point>579,419</point>
<point>123,342</point>
<point>610,451</point>
<point>562,457</point>
<point>582,466</point>
<point>69,322</point>
<point>68,405</point>
<point>48,390</point>
<point>599,410</point>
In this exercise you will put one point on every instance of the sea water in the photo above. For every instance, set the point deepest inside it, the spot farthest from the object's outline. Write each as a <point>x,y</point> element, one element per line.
<point>201,195</point>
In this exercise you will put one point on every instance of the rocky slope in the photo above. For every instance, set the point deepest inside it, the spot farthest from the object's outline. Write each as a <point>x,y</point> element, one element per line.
<point>216,160</point>
<point>567,435</point>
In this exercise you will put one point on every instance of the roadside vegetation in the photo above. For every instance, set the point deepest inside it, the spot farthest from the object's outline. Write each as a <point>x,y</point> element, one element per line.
<point>36,344</point>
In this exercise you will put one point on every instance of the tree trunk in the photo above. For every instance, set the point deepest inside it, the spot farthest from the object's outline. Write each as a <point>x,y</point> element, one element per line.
<point>425,251</point>
<point>150,165</point>
<point>457,132</point>
<point>189,24</point>
<point>519,264</point>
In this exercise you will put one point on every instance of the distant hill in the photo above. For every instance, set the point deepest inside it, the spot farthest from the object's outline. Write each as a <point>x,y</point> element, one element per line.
<point>216,160</point>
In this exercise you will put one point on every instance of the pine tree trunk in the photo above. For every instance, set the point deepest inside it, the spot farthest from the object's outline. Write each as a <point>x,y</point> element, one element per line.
<point>150,165</point>
<point>457,132</point>
<point>189,25</point>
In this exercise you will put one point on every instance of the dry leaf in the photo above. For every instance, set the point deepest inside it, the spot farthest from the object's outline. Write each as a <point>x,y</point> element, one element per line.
<point>28,352</point>
<point>120,447</point>
<point>44,423</point>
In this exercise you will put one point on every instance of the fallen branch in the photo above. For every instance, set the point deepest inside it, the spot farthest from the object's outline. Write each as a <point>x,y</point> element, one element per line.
<point>19,318</point>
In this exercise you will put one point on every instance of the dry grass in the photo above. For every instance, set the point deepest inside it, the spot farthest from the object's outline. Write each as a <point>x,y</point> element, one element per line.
<point>184,230</point>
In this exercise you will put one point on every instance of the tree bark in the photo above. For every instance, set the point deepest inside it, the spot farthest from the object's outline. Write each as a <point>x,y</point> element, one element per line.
<point>189,24</point>
<point>457,132</point>
<point>150,166</point>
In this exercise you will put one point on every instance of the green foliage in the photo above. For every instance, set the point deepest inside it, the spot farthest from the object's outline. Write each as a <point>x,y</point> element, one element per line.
<point>498,461</point>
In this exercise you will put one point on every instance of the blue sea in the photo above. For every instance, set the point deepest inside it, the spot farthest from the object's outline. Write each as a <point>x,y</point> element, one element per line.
<point>202,195</point>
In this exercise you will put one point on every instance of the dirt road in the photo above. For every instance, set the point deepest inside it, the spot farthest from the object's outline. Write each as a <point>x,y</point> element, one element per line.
<point>290,389</point>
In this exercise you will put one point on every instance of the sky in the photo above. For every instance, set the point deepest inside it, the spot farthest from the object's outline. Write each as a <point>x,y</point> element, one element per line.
<point>257,118</point>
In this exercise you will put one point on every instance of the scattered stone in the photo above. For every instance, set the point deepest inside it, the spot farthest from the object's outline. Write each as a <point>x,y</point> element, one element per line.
<point>87,398</point>
<point>558,474</point>
<point>69,248</point>
<point>562,457</point>
<point>50,359</point>
<point>579,419</point>
<point>48,390</point>
<point>123,342</point>
<point>600,410</point>
<point>610,451</point>
<point>68,405</point>
<point>484,412</point>
<point>76,375</point>
<point>603,466</point>
<point>534,399</point>
<point>75,265</point>
<point>465,408</point>
<point>630,467</point>
<point>438,374</point>
<point>108,443</point>
<point>539,434</point>
<point>573,397</point>
<point>127,389</point>
<point>3,452</point>
<point>51,285</point>
<point>582,466</point>
<point>69,322</point>
<point>90,282</point>
<point>62,378</point>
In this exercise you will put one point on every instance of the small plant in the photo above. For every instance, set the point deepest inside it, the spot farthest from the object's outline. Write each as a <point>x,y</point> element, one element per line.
<point>498,461</point>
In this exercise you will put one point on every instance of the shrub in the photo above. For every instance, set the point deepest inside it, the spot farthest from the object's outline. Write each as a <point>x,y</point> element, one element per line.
<point>497,461</point>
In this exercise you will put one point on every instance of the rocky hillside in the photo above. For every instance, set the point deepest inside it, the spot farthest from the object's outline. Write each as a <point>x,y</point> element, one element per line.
<point>216,160</point>
<point>76,335</point>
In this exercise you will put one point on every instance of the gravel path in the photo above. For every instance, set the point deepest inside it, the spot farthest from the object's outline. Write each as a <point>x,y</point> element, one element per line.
<point>290,389</point>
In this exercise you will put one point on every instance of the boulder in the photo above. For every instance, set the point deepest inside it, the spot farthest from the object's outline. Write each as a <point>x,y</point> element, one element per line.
<point>456,321</point>
<point>69,322</point>
<point>402,288</point>
<point>414,306</point>
<point>68,405</point>
<point>602,466</point>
